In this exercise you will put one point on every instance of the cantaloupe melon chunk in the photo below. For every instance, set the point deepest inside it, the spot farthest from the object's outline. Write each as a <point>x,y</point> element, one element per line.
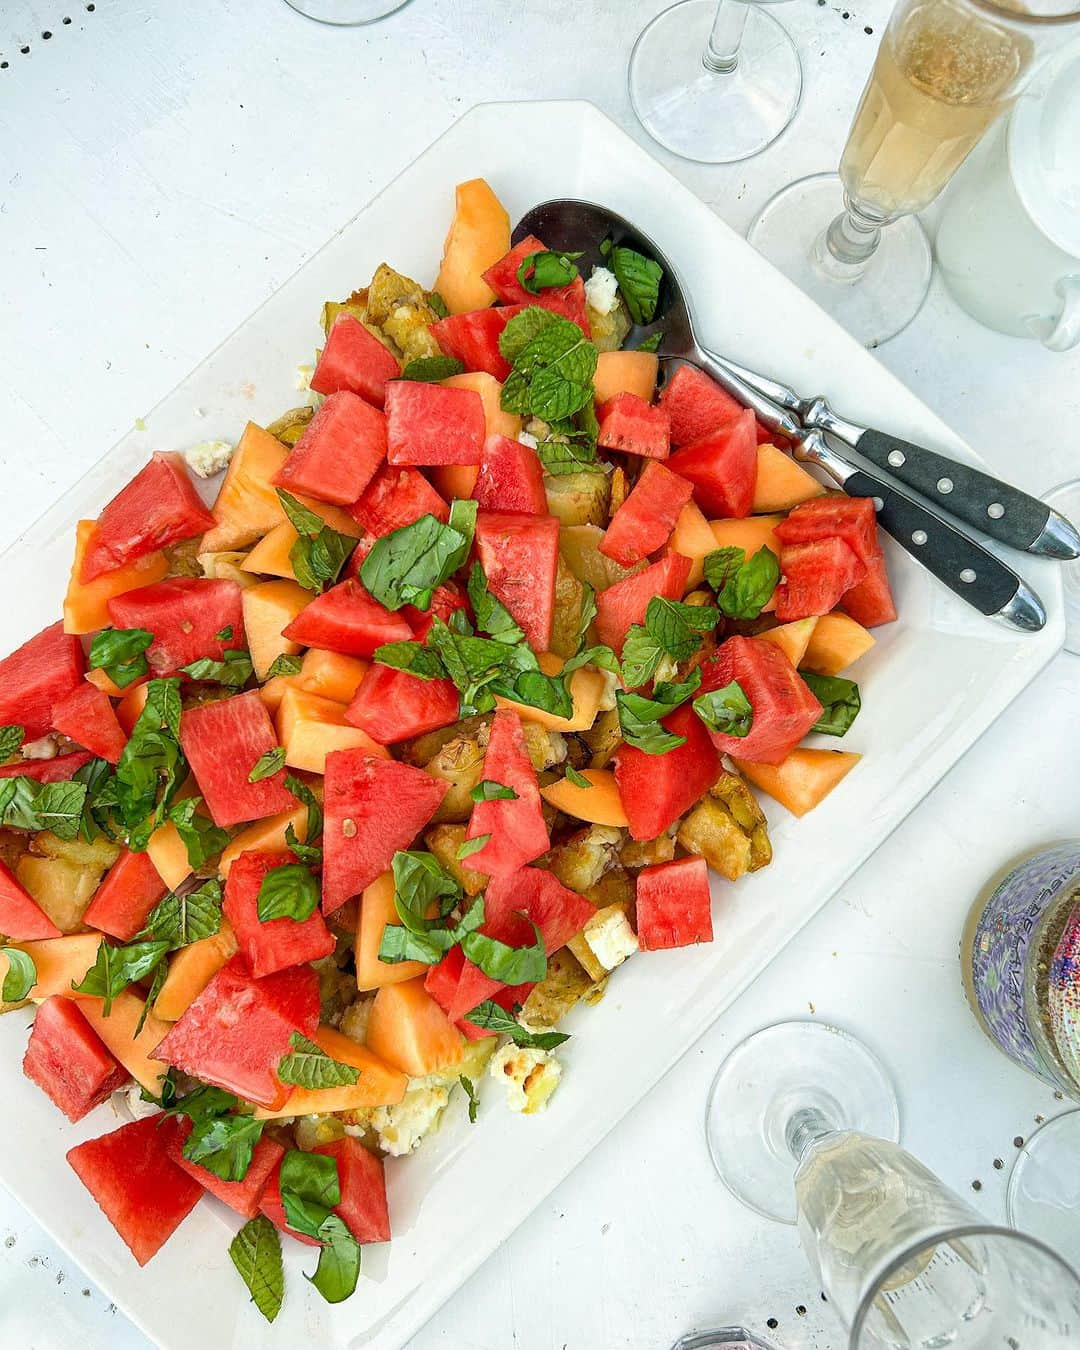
<point>104,682</point>
<point>376,911</point>
<point>497,422</point>
<point>802,780</point>
<point>62,889</point>
<point>837,642</point>
<point>168,853</point>
<point>409,1030</point>
<point>781,482</point>
<point>270,556</point>
<point>130,706</point>
<point>599,804</point>
<point>247,505</point>
<point>478,237</point>
<point>309,727</point>
<point>625,373</point>
<point>85,604</point>
<point>191,969</point>
<point>692,537</point>
<point>454,480</point>
<point>586,690</point>
<point>750,534</point>
<point>59,962</point>
<point>270,607</point>
<point>118,1032</point>
<point>378,1084</point>
<point>265,836</point>
<point>791,638</point>
<point>330,674</point>
<point>273,691</point>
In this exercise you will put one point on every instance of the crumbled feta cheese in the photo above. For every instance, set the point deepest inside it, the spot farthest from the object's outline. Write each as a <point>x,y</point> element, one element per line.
<point>44,748</point>
<point>302,377</point>
<point>602,290</point>
<point>610,938</point>
<point>607,702</point>
<point>129,1104</point>
<point>529,1076</point>
<point>401,1128</point>
<point>527,438</point>
<point>209,457</point>
<point>354,1020</point>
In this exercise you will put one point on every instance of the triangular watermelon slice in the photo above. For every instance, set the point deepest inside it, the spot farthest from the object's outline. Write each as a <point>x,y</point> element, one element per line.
<point>722,466</point>
<point>784,708</point>
<point>624,604</point>
<point>520,556</point>
<point>87,716</point>
<point>347,619</point>
<point>21,918</point>
<point>516,826</point>
<point>36,676</point>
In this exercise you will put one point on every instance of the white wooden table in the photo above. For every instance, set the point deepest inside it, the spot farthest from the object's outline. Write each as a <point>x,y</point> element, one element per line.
<point>163,167</point>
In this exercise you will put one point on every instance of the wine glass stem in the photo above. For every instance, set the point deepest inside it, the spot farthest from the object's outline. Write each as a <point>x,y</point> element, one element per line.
<point>721,54</point>
<point>853,236</point>
<point>805,1127</point>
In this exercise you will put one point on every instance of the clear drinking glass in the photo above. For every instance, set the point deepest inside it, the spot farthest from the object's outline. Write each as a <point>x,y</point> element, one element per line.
<point>715,82</point>
<point>346,13</point>
<point>722,1338</point>
<point>945,70</point>
<point>906,1263</point>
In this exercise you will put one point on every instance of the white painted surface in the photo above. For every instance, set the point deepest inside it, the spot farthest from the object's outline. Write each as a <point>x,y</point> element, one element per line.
<point>163,169</point>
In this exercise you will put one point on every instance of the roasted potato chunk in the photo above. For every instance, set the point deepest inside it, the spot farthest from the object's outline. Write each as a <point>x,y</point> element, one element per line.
<point>289,427</point>
<point>603,738</point>
<point>183,559</point>
<point>647,852</point>
<point>727,828</point>
<point>615,887</point>
<point>565,984</point>
<point>460,763</point>
<point>579,546</point>
<point>63,889</point>
<point>608,330</point>
<point>444,841</point>
<point>399,306</point>
<point>546,748</point>
<point>620,490</point>
<point>578,498</point>
<point>100,854</point>
<point>569,594</point>
<point>580,861</point>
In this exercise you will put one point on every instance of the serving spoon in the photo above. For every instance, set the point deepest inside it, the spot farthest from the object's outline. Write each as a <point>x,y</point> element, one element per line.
<point>954,557</point>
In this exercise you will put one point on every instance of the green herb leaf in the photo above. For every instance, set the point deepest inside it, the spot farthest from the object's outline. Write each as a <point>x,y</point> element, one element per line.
<point>600,656</point>
<point>420,882</point>
<point>578,779</point>
<point>224,634</point>
<point>727,711</point>
<point>201,837</point>
<point>233,671</point>
<point>119,653</point>
<point>306,797</point>
<point>288,892</point>
<point>487,790</point>
<point>161,973</point>
<point>117,967</point>
<point>588,613</point>
<point>492,617</point>
<point>151,767</point>
<point>640,717</point>
<point>406,565</point>
<point>553,371</point>
<point>511,965</point>
<point>284,665</point>
<point>11,738</point>
<point>438,304</point>
<point>224,1145</point>
<point>26,804</point>
<point>319,553</point>
<point>166,1098</point>
<point>431,369</point>
<point>471,846</point>
<point>651,343</point>
<point>639,281</point>
<point>491,1017</point>
<point>521,330</point>
<point>256,1253</point>
<point>311,1176</point>
<point>470,1092</point>
<point>399,944</point>
<point>204,1103</point>
<point>563,457</point>
<point>267,764</point>
<point>20,977</point>
<point>311,854</point>
<point>303,1215</point>
<point>543,270</point>
<point>840,699</point>
<point>641,656</point>
<point>179,920</point>
<point>743,586</point>
<point>678,627</point>
<point>413,657</point>
<point>339,1261</point>
<point>309,1066</point>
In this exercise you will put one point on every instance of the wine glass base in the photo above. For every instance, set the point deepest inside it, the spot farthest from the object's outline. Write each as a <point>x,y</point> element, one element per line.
<point>1043,1198</point>
<point>874,301</point>
<point>1066,499</point>
<point>789,1067</point>
<point>704,115</point>
<point>346,13</point>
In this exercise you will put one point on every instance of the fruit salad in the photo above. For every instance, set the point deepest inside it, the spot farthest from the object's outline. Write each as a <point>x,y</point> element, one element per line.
<point>369,747</point>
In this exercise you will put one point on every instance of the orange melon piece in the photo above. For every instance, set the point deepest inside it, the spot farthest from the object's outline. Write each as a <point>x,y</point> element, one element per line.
<point>376,911</point>
<point>226,566</point>
<point>409,1030</point>
<point>599,804</point>
<point>454,480</point>
<point>791,638</point>
<point>273,691</point>
<point>837,642</point>
<point>692,536</point>
<point>749,534</point>
<point>626,373</point>
<point>118,1032</point>
<point>130,706</point>
<point>247,505</point>
<point>191,969</point>
<point>265,836</point>
<point>85,604</point>
<point>309,727</point>
<point>802,780</point>
<point>478,237</point>
<point>497,422</point>
<point>60,962</point>
<point>781,482</point>
<point>101,681</point>
<point>168,853</point>
<point>270,555</point>
<point>331,675</point>
<point>269,607</point>
<point>586,690</point>
<point>378,1085</point>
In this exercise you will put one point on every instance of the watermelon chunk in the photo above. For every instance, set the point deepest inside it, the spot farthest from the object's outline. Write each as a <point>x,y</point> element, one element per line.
<point>624,604</point>
<point>57,770</point>
<point>139,1188</point>
<point>234,1035</point>
<point>86,715</point>
<point>362,1181</point>
<point>294,992</point>
<point>634,427</point>
<point>185,614</point>
<point>520,555</point>
<point>851,519</point>
<point>657,789</point>
<point>373,807</point>
<point>870,601</point>
<point>347,619</point>
<point>458,986</point>
<point>511,478</point>
<point>339,451</point>
<point>159,507</point>
<point>517,828</point>
<point>784,708</point>
<point>36,676</point>
<point>129,891</point>
<point>816,577</point>
<point>696,405</point>
<point>722,466</point>
<point>567,301</point>
<point>395,497</point>
<point>473,338</point>
<point>446,598</point>
<point>21,917</point>
<point>67,1060</point>
<point>674,908</point>
<point>354,359</point>
<point>431,424</point>
<point>278,943</point>
<point>222,742</point>
<point>242,1196</point>
<point>392,705</point>
<point>645,520</point>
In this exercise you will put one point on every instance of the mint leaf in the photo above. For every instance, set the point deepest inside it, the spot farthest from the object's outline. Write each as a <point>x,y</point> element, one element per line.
<point>677,627</point>
<point>256,1253</point>
<point>26,804</point>
<point>117,967</point>
<point>339,1261</point>
<point>651,343</point>
<point>471,846</point>
<point>511,965</point>
<point>406,565</point>
<point>267,764</point>
<point>639,282</point>
<point>487,790</point>
<point>20,977</point>
<point>578,779</point>
<point>470,1092</point>
<point>284,665</point>
<point>119,653</point>
<point>179,920</point>
<point>224,1145</point>
<point>641,656</point>
<point>521,330</point>
<point>233,671</point>
<point>553,370</point>
<point>640,717</point>
<point>413,657</point>
<point>288,892</point>
<point>204,1103</point>
<point>563,457</point>
<point>743,587</point>
<point>491,1017</point>
<point>726,711</point>
<point>11,738</point>
<point>309,1066</point>
<point>151,767</point>
<point>201,837</point>
<point>311,854</point>
<point>306,797</point>
<point>543,270</point>
<point>431,369</point>
<point>840,699</point>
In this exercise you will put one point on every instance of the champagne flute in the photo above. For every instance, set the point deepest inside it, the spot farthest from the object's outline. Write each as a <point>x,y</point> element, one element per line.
<point>346,13</point>
<point>715,80</point>
<point>945,71</point>
<point>906,1263</point>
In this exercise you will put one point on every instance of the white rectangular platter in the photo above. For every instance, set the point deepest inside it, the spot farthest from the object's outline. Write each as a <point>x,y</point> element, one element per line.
<point>932,685</point>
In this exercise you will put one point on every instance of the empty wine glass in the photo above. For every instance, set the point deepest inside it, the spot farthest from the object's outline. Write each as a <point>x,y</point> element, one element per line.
<point>715,82</point>
<point>346,13</point>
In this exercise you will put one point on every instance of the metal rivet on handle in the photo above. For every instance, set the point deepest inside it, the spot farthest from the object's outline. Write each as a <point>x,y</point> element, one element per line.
<point>897,458</point>
<point>967,574</point>
<point>919,537</point>
<point>995,510</point>
<point>879,504</point>
<point>945,485</point>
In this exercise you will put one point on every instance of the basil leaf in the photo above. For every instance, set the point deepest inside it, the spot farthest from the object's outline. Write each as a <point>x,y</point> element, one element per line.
<point>306,797</point>
<point>521,330</point>
<point>562,457</point>
<point>470,1092</point>
<point>339,1261</point>
<point>578,779</point>
<point>492,617</point>
<point>413,657</point>
<point>288,892</point>
<point>639,282</point>
<point>311,854</point>
<point>303,520</point>
<point>511,965</point>
<point>224,1145</point>
<point>161,974</point>
<point>256,1253</point>
<point>641,656</point>
<point>205,1103</point>
<point>319,553</point>
<point>20,977</point>
<point>491,1017</point>
<point>537,690</point>
<point>224,634</point>
<point>201,837</point>
<point>11,738</point>
<point>179,920</point>
<point>309,1066</point>
<point>420,882</point>
<point>438,304</point>
<point>151,767</point>
<point>640,717</point>
<point>303,1215</point>
<point>651,343</point>
<point>267,764</point>
<point>840,699</point>
<point>471,846</point>
<point>487,790</point>
<point>727,711</point>
<point>284,665</point>
<point>463,511</point>
<point>119,653</point>
<point>678,627</point>
<point>311,1176</point>
<point>399,944</point>
<point>117,967</point>
<point>233,671</point>
<point>588,612</point>
<point>603,658</point>
<point>543,270</point>
<point>167,1097</point>
<point>406,565</point>
<point>431,369</point>
<point>743,586</point>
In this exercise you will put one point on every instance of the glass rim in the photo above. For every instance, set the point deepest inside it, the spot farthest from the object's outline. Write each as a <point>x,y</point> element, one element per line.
<point>937,1237</point>
<point>1024,17</point>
